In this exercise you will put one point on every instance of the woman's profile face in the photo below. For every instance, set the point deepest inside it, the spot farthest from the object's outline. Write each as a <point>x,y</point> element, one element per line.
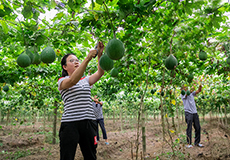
<point>72,63</point>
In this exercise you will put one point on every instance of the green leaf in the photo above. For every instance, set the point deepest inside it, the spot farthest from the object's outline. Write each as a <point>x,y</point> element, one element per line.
<point>86,43</point>
<point>58,16</point>
<point>53,4</point>
<point>36,15</point>
<point>73,5</point>
<point>216,24</point>
<point>99,2</point>
<point>27,11</point>
<point>113,2</point>
<point>4,10</point>
<point>142,2</point>
<point>4,26</point>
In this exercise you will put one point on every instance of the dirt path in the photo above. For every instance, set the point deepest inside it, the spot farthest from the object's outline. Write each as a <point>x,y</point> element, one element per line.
<point>32,143</point>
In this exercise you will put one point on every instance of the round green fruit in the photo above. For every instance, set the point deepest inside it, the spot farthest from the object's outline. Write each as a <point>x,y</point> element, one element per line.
<point>203,56</point>
<point>188,92</point>
<point>153,91</point>
<point>36,103</point>
<point>105,62</point>
<point>171,62</point>
<point>37,58</point>
<point>6,88</point>
<point>48,55</point>
<point>41,103</point>
<point>23,92</point>
<point>114,72</point>
<point>30,54</point>
<point>115,49</point>
<point>23,60</point>
<point>162,93</point>
<point>228,60</point>
<point>183,92</point>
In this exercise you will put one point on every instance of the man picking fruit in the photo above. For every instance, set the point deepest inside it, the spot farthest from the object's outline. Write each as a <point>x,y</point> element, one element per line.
<point>191,116</point>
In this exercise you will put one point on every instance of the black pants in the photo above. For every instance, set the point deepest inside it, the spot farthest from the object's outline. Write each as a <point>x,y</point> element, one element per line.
<point>102,125</point>
<point>192,119</point>
<point>82,132</point>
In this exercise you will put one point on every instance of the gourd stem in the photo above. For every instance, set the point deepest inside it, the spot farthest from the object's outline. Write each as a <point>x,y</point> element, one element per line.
<point>114,33</point>
<point>174,33</point>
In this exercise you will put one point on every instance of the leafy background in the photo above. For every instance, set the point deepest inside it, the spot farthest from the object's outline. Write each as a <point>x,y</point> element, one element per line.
<point>150,30</point>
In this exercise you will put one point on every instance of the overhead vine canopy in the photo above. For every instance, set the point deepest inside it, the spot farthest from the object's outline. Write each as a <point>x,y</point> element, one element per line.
<point>150,30</point>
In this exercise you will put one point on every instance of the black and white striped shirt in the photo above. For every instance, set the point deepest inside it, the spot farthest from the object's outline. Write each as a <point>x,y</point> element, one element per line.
<point>77,101</point>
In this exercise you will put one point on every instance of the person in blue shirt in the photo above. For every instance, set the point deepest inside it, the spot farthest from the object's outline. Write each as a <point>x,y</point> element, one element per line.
<point>191,116</point>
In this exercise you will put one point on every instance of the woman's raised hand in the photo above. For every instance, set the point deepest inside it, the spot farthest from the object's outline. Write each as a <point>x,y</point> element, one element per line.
<point>100,49</point>
<point>92,53</point>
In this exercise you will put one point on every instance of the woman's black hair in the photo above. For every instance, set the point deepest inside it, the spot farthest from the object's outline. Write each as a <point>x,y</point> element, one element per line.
<point>63,62</point>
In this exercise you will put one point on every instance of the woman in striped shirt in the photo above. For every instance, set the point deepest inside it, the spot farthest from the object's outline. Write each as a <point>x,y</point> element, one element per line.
<point>78,123</point>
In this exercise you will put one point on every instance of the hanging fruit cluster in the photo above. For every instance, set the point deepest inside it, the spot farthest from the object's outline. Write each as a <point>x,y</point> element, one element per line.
<point>27,58</point>
<point>114,51</point>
